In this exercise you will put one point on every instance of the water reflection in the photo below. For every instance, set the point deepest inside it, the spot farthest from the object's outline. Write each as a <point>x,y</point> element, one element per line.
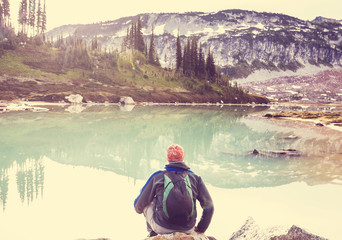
<point>3,187</point>
<point>30,180</point>
<point>218,143</point>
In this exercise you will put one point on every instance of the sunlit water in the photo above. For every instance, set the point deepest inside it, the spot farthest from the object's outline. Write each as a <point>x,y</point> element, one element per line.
<point>75,175</point>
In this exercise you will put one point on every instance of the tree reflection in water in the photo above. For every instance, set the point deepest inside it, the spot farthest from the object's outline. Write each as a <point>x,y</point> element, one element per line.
<point>3,187</point>
<point>29,179</point>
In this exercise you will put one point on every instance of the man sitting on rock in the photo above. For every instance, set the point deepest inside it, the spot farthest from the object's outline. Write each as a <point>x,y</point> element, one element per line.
<point>168,199</point>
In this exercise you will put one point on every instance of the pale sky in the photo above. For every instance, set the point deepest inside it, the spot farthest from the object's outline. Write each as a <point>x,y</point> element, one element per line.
<point>62,12</point>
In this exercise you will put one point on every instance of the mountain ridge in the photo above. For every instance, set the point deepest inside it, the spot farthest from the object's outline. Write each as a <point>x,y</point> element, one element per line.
<point>242,41</point>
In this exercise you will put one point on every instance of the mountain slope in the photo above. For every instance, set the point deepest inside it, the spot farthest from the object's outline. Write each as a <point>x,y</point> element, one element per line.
<point>242,41</point>
<point>36,73</point>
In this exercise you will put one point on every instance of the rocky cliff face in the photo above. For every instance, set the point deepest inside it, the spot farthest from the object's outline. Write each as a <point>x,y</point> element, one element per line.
<point>242,41</point>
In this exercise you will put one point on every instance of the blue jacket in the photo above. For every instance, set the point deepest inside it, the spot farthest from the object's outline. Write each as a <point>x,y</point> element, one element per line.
<point>153,191</point>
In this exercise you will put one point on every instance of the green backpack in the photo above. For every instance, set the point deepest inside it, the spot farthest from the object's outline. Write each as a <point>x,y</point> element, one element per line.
<point>178,203</point>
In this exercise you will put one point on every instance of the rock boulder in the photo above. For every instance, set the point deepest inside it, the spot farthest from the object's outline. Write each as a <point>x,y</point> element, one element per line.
<point>251,231</point>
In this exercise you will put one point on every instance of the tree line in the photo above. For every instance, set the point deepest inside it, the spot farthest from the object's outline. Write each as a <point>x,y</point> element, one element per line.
<point>74,52</point>
<point>191,60</point>
<point>31,19</point>
<point>32,15</point>
<point>5,13</point>
<point>134,40</point>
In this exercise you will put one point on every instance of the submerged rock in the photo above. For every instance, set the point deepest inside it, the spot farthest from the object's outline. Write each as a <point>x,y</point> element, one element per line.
<point>278,153</point>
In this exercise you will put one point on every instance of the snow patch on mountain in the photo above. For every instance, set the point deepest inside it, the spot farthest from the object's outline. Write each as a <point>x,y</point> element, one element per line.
<point>159,30</point>
<point>265,75</point>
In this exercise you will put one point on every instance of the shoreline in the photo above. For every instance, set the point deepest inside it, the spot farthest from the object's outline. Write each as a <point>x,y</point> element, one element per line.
<point>41,106</point>
<point>315,121</point>
<point>20,105</point>
<point>330,119</point>
<point>281,104</point>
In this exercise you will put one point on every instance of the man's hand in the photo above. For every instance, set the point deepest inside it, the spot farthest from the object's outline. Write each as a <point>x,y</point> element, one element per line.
<point>200,235</point>
<point>196,230</point>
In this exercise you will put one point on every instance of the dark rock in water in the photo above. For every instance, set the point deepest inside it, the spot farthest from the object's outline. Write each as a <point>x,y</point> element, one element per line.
<point>290,150</point>
<point>251,231</point>
<point>276,153</point>
<point>319,124</point>
<point>297,233</point>
<point>268,115</point>
<point>255,152</point>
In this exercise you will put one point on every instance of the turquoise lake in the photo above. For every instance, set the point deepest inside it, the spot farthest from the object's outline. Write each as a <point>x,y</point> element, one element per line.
<point>68,175</point>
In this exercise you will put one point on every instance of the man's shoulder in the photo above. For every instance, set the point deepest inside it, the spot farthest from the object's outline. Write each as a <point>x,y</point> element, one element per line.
<point>157,173</point>
<point>154,176</point>
<point>194,176</point>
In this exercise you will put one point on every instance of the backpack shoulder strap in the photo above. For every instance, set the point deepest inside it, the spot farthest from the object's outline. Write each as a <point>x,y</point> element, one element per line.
<point>189,188</point>
<point>168,185</point>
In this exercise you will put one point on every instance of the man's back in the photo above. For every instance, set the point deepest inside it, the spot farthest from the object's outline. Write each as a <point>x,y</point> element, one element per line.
<point>153,196</point>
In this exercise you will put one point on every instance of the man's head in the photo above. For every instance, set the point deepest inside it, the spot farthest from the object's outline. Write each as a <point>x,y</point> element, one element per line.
<point>175,153</point>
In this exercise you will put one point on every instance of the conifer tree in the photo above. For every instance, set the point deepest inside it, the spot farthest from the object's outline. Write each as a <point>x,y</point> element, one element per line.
<point>210,67</point>
<point>131,38</point>
<point>146,51</point>
<point>94,43</point>
<point>152,56</point>
<point>156,61</point>
<point>1,15</point>
<point>151,49</point>
<point>125,41</point>
<point>32,12</point>
<point>187,59</point>
<point>135,42</point>
<point>6,12</point>
<point>22,16</point>
<point>201,64</point>
<point>178,54</point>
<point>140,44</point>
<point>39,18</point>
<point>134,38</point>
<point>43,26</point>
<point>193,57</point>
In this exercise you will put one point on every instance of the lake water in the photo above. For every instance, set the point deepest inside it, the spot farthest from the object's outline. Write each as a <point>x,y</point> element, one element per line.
<point>68,175</point>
